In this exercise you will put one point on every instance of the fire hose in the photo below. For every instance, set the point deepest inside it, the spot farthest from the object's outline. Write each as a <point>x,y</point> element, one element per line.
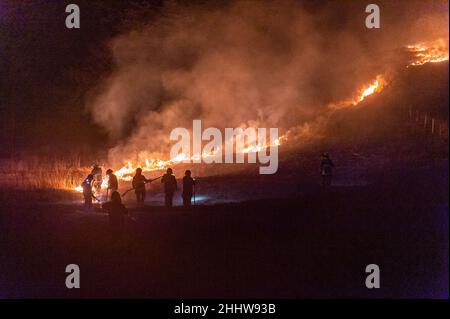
<point>149,181</point>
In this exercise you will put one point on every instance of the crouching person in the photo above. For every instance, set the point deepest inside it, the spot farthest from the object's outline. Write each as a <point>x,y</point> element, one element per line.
<point>117,212</point>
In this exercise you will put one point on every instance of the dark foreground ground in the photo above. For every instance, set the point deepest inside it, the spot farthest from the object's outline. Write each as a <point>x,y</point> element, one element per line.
<point>315,244</point>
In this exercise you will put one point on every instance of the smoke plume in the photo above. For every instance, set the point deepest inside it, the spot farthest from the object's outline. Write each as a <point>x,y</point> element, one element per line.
<point>247,63</point>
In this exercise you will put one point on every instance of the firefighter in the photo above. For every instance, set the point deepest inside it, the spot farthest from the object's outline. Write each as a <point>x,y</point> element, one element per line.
<point>326,169</point>
<point>170,186</point>
<point>97,178</point>
<point>113,184</point>
<point>87,192</point>
<point>138,183</point>
<point>188,187</point>
<point>116,211</point>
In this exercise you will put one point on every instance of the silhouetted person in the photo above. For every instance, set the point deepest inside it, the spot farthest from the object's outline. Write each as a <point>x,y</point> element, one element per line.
<point>188,187</point>
<point>87,192</point>
<point>97,178</point>
<point>326,170</point>
<point>170,186</point>
<point>138,183</point>
<point>117,212</point>
<point>113,184</point>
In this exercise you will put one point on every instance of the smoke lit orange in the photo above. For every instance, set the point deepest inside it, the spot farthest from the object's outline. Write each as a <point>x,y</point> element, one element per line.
<point>430,52</point>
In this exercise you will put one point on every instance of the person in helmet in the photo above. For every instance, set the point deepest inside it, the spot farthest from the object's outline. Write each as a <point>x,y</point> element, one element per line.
<point>113,184</point>
<point>170,186</point>
<point>326,169</point>
<point>188,187</point>
<point>87,192</point>
<point>138,183</point>
<point>97,178</point>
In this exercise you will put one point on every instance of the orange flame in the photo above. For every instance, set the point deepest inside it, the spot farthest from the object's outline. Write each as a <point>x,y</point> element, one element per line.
<point>428,52</point>
<point>374,87</point>
<point>126,172</point>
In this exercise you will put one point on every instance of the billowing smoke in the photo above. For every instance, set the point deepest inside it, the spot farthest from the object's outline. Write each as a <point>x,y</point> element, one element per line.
<point>245,63</point>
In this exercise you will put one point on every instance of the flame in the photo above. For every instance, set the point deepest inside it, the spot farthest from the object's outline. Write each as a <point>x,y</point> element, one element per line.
<point>373,87</point>
<point>428,52</point>
<point>422,53</point>
<point>126,172</point>
<point>105,181</point>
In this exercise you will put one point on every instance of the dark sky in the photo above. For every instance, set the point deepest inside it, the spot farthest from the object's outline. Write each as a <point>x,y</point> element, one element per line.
<point>46,70</point>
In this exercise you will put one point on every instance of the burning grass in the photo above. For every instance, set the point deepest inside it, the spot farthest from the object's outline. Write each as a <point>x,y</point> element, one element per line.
<point>428,52</point>
<point>32,174</point>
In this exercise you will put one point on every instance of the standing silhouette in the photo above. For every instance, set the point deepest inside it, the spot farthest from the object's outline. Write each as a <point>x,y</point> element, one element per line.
<point>138,183</point>
<point>326,169</point>
<point>96,178</point>
<point>188,186</point>
<point>170,186</point>
<point>87,192</point>
<point>113,184</point>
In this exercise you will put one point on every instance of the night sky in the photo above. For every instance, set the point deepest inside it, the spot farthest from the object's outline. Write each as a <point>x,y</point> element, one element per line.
<point>47,70</point>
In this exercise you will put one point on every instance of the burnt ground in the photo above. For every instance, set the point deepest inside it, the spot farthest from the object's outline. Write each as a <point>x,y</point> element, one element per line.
<point>312,243</point>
